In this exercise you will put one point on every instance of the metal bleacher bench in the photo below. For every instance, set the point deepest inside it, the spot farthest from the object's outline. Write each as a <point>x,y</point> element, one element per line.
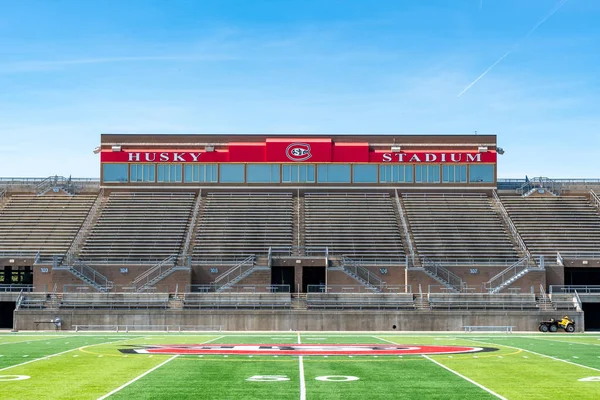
<point>480,328</point>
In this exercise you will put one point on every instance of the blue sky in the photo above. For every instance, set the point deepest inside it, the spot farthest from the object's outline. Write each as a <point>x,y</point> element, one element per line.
<point>70,70</point>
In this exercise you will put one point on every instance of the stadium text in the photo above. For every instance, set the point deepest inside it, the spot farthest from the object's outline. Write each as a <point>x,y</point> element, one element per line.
<point>431,157</point>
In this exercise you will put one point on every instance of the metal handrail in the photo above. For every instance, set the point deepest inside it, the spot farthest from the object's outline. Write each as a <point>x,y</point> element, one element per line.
<point>19,300</point>
<point>236,271</point>
<point>587,289</point>
<point>595,199</point>
<point>513,270</point>
<point>579,306</point>
<point>411,248</point>
<point>363,273</point>
<point>513,229</point>
<point>156,270</point>
<point>443,273</point>
<point>91,274</point>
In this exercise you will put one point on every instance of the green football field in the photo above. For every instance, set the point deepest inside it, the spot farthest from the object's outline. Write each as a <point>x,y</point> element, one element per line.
<point>92,366</point>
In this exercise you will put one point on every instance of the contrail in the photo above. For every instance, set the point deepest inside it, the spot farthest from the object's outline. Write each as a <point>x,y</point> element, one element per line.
<point>480,4</point>
<point>514,47</point>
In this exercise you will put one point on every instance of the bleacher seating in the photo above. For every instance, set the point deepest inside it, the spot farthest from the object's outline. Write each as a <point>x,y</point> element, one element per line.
<point>563,301</point>
<point>359,225</point>
<point>114,301</point>
<point>47,223</point>
<point>552,224</point>
<point>482,301</point>
<point>461,229</point>
<point>233,226</point>
<point>360,301</point>
<point>237,300</point>
<point>33,300</point>
<point>139,228</point>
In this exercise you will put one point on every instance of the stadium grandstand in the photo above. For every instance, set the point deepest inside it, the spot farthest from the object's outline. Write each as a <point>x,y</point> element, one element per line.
<point>313,232</point>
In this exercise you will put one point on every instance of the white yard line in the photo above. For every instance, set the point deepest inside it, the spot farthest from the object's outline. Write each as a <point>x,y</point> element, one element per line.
<point>147,372</point>
<point>35,340</point>
<point>63,352</point>
<point>465,378</point>
<point>537,354</point>
<point>302,380</point>
<point>453,371</point>
<point>138,378</point>
<point>564,341</point>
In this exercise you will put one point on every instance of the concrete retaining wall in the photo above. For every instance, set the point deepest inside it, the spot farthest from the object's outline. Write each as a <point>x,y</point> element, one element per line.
<point>286,320</point>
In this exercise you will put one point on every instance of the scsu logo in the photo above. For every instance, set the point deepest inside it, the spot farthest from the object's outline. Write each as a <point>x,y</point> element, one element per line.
<point>298,151</point>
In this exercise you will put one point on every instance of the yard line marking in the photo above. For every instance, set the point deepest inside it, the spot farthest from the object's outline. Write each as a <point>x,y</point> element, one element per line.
<point>24,341</point>
<point>537,354</point>
<point>453,371</point>
<point>62,352</point>
<point>563,341</point>
<point>301,367</point>
<point>147,372</point>
<point>138,377</point>
<point>465,378</point>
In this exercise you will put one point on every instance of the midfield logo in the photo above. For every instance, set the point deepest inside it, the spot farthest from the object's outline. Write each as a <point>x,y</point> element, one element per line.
<point>302,349</point>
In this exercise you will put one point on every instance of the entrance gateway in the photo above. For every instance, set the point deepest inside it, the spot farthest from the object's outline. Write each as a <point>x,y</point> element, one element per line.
<point>303,349</point>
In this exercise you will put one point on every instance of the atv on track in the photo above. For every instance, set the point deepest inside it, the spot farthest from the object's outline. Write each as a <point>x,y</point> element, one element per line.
<point>565,323</point>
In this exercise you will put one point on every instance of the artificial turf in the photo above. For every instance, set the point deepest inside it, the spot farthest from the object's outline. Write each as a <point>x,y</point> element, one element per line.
<point>90,366</point>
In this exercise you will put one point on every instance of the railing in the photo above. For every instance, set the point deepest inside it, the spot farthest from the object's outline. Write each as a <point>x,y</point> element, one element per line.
<point>295,251</point>
<point>16,288</point>
<point>156,271</point>
<point>224,259</point>
<point>581,289</point>
<point>357,289</point>
<point>539,183</point>
<point>162,328</point>
<point>235,272</point>
<point>354,267</point>
<point>239,288</point>
<point>513,229</point>
<point>2,195</point>
<point>443,273</point>
<point>120,261</point>
<point>19,254</point>
<point>71,253</point>
<point>578,305</point>
<point>113,289</point>
<point>595,199</point>
<point>191,227</point>
<point>507,274</point>
<point>576,255</point>
<point>91,274</point>
<point>411,248</point>
<point>19,300</point>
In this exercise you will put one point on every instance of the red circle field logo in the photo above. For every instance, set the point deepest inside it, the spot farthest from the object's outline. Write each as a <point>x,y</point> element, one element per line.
<point>298,151</point>
<point>303,349</point>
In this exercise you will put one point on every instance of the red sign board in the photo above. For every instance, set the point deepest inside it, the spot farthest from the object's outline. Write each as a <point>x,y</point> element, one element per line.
<point>298,150</point>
